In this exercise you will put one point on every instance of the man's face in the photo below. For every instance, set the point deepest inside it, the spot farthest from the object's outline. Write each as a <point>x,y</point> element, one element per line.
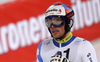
<point>57,31</point>
<point>56,26</point>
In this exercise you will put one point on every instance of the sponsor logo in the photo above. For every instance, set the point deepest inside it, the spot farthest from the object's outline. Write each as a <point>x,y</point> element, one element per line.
<point>89,56</point>
<point>86,13</point>
<point>47,43</point>
<point>51,10</point>
<point>22,34</point>
<point>70,15</point>
<point>59,10</point>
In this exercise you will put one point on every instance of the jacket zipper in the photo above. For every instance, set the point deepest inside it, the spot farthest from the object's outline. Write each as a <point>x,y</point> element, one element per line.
<point>60,46</point>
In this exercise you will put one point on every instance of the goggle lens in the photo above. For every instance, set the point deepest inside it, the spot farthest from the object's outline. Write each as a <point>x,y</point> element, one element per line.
<point>56,21</point>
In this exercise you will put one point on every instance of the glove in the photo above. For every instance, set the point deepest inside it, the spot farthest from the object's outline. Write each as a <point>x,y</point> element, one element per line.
<point>58,58</point>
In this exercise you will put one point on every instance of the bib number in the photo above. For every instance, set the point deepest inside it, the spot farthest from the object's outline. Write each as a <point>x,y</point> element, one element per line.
<point>67,52</point>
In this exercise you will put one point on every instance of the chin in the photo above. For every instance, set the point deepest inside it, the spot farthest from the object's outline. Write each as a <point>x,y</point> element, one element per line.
<point>55,37</point>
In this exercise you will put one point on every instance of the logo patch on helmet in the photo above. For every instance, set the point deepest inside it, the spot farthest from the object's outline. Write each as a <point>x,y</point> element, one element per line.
<point>59,10</point>
<point>69,15</point>
<point>51,10</point>
<point>55,10</point>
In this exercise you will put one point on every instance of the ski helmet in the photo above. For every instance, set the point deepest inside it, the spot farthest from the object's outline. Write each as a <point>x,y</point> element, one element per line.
<point>65,12</point>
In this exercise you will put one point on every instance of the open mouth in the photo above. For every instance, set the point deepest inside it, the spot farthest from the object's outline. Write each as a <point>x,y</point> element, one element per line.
<point>55,31</point>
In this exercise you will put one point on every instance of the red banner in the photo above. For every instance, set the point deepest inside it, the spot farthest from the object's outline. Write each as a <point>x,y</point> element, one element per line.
<point>22,26</point>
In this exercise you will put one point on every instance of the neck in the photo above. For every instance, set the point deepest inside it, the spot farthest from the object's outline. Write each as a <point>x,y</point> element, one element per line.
<point>65,39</point>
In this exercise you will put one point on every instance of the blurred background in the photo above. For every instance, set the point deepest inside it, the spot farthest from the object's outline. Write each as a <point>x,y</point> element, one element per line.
<point>22,26</point>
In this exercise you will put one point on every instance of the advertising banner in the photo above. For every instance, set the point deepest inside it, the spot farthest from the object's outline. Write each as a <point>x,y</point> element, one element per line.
<point>22,26</point>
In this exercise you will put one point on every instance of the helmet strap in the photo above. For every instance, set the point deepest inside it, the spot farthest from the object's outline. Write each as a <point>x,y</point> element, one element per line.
<point>60,38</point>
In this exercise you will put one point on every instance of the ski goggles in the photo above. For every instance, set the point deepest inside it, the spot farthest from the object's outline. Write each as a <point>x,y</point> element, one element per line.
<point>54,20</point>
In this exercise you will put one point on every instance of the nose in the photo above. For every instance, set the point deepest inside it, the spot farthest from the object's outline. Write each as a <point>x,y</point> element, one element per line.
<point>52,26</point>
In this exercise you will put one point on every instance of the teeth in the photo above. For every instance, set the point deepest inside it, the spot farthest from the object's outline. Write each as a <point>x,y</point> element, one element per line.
<point>55,31</point>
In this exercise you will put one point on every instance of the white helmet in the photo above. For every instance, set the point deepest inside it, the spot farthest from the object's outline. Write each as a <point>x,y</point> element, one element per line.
<point>65,12</point>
